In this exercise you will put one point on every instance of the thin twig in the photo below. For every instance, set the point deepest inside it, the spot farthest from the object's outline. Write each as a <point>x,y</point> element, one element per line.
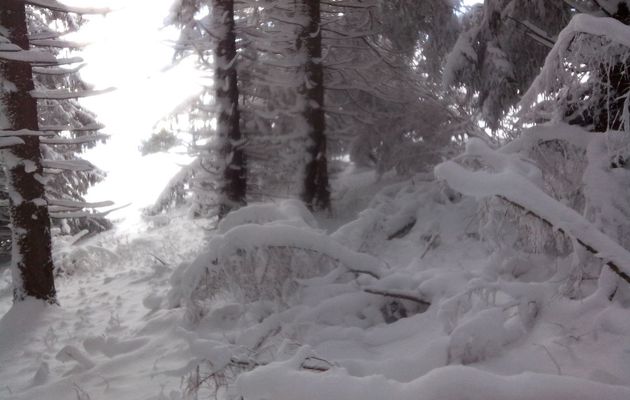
<point>429,245</point>
<point>159,259</point>
<point>553,360</point>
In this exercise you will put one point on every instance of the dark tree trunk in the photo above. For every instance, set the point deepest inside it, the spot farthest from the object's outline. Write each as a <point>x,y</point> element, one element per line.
<point>32,260</point>
<point>315,191</point>
<point>233,188</point>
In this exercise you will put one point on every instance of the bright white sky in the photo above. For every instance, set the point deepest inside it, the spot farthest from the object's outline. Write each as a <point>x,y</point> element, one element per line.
<point>129,50</point>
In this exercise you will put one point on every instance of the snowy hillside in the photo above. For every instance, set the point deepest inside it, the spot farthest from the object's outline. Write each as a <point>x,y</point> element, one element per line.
<point>407,300</point>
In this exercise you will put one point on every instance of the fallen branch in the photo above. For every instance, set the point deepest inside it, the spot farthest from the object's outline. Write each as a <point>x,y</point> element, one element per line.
<point>397,295</point>
<point>402,232</point>
<point>308,364</point>
<point>159,259</point>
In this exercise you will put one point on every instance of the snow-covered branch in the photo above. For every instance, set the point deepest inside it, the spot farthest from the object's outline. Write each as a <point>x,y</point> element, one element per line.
<point>56,70</point>
<point>78,204</point>
<point>24,132</point>
<point>510,184</point>
<point>66,95</point>
<point>10,141</point>
<point>72,141</point>
<point>63,128</point>
<point>609,28</point>
<point>69,165</point>
<point>54,5</point>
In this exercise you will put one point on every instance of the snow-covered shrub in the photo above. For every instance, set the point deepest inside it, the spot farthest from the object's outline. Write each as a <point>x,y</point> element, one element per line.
<point>287,212</point>
<point>518,181</point>
<point>176,241</point>
<point>585,77</point>
<point>418,209</point>
<point>585,83</point>
<point>489,315</point>
<point>72,255</point>
<point>264,261</point>
<point>561,166</point>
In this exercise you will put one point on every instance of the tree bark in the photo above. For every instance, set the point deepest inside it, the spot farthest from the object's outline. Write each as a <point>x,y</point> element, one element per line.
<point>233,188</point>
<point>315,191</point>
<point>32,259</point>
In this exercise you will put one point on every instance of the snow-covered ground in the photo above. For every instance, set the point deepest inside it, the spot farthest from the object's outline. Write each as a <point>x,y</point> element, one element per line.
<point>110,338</point>
<point>394,297</point>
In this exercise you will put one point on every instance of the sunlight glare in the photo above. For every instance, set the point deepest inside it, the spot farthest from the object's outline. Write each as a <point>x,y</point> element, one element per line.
<point>133,54</point>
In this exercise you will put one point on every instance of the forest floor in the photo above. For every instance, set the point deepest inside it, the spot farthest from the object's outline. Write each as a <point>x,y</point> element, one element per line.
<point>496,327</point>
<point>109,338</point>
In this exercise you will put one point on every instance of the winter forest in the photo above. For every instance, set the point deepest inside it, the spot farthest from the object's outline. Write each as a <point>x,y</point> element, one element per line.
<point>315,199</point>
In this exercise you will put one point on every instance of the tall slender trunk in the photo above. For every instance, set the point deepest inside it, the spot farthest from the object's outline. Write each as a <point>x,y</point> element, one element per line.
<point>315,190</point>
<point>233,188</point>
<point>32,259</point>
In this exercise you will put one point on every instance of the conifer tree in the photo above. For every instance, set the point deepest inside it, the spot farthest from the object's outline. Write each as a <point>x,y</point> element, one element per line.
<point>221,164</point>
<point>315,190</point>
<point>33,266</point>
<point>233,188</point>
<point>24,161</point>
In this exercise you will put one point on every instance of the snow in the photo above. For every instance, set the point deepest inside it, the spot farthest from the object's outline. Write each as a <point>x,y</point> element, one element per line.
<point>10,141</point>
<point>73,165</point>
<point>64,94</point>
<point>54,5</point>
<point>412,288</point>
<point>512,182</point>
<point>33,56</point>
<point>444,383</point>
<point>102,340</point>
<point>23,132</point>
<point>79,140</point>
<point>78,204</point>
<point>140,318</point>
<point>608,28</point>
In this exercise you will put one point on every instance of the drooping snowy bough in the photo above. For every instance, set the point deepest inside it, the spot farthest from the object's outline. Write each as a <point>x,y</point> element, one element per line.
<point>262,254</point>
<point>518,182</point>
